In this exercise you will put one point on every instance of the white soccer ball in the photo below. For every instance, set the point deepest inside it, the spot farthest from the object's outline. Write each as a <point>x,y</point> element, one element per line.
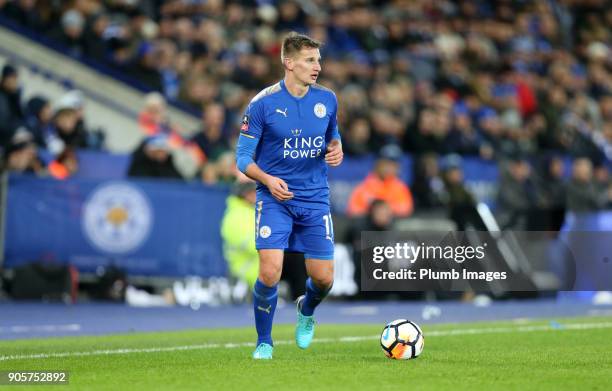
<point>402,340</point>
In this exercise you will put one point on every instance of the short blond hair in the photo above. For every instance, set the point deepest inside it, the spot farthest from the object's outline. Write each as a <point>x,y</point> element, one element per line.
<point>294,42</point>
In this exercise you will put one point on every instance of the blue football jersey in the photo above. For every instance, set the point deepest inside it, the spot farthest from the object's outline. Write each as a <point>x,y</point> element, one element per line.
<point>292,136</point>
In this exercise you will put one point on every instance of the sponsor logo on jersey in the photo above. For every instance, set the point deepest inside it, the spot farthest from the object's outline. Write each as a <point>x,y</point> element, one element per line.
<point>302,147</point>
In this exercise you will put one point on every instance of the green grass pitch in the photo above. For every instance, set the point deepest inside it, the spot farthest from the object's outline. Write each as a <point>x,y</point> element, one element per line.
<point>568,354</point>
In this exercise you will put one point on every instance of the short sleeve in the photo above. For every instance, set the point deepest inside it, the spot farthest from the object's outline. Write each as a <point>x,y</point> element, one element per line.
<point>332,132</point>
<point>253,120</point>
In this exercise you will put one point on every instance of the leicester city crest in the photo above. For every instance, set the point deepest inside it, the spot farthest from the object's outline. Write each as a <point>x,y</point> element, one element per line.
<point>320,110</point>
<point>117,218</point>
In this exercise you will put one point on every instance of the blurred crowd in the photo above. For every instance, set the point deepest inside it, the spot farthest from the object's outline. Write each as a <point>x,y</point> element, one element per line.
<point>39,136</point>
<point>518,82</point>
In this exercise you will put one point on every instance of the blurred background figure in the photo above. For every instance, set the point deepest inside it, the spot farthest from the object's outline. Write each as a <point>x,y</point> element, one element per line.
<point>551,193</point>
<point>21,155</point>
<point>223,171</point>
<point>65,123</point>
<point>153,118</point>
<point>153,159</point>
<point>11,110</point>
<point>39,121</point>
<point>212,138</point>
<point>517,194</point>
<point>428,186</point>
<point>65,165</point>
<point>85,137</point>
<point>583,194</point>
<point>379,218</point>
<point>237,232</point>
<point>383,183</point>
<point>461,203</point>
<point>212,143</point>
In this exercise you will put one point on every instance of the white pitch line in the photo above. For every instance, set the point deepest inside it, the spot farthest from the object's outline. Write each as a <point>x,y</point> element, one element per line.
<point>44,328</point>
<point>434,333</point>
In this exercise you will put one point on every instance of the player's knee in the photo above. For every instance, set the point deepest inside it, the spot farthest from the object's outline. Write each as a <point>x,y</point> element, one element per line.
<point>323,282</point>
<point>269,275</point>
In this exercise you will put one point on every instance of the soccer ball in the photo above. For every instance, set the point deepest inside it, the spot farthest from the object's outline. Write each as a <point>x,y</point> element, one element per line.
<point>402,340</point>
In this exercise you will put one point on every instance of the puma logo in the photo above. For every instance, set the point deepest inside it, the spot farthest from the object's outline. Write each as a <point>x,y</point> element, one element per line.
<point>265,309</point>
<point>282,112</point>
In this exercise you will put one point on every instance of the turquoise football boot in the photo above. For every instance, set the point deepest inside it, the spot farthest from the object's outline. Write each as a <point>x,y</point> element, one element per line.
<point>263,352</point>
<point>304,329</point>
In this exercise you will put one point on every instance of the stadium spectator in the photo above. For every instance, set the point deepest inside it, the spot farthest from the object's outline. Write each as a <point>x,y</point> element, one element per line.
<point>384,184</point>
<point>460,202</point>
<point>223,171</point>
<point>153,159</point>
<point>70,33</point>
<point>209,145</point>
<point>65,165</point>
<point>380,217</point>
<point>517,194</point>
<point>357,140</point>
<point>65,123</point>
<point>551,191</point>
<point>83,136</point>
<point>145,67</point>
<point>428,186</point>
<point>583,195</point>
<point>463,137</point>
<point>601,176</point>
<point>23,12</point>
<point>153,118</point>
<point>21,155</point>
<point>97,46</point>
<point>11,110</point>
<point>39,116</point>
<point>211,138</point>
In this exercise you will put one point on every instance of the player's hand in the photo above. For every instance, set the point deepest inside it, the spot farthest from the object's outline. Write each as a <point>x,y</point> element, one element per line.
<point>278,188</point>
<point>334,154</point>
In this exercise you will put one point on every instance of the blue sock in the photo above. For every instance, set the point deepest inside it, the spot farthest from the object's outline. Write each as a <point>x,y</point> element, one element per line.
<point>264,305</point>
<point>314,296</point>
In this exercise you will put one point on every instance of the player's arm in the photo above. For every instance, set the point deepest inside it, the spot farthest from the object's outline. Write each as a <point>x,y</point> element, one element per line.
<point>334,154</point>
<point>250,134</point>
<point>244,157</point>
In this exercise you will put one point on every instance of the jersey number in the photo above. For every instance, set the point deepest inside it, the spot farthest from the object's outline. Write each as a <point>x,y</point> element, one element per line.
<point>329,226</point>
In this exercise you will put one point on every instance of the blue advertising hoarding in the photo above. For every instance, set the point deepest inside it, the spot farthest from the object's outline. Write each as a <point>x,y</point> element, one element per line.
<point>146,227</point>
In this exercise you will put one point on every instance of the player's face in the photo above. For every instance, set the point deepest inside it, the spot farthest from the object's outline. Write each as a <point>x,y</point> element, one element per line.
<point>307,65</point>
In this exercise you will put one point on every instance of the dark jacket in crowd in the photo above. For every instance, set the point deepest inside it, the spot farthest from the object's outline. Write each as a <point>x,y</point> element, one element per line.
<point>585,197</point>
<point>143,166</point>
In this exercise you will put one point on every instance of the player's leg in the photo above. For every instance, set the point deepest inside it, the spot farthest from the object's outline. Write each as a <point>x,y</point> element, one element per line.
<point>273,227</point>
<point>265,295</point>
<point>314,236</point>
<point>319,282</point>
